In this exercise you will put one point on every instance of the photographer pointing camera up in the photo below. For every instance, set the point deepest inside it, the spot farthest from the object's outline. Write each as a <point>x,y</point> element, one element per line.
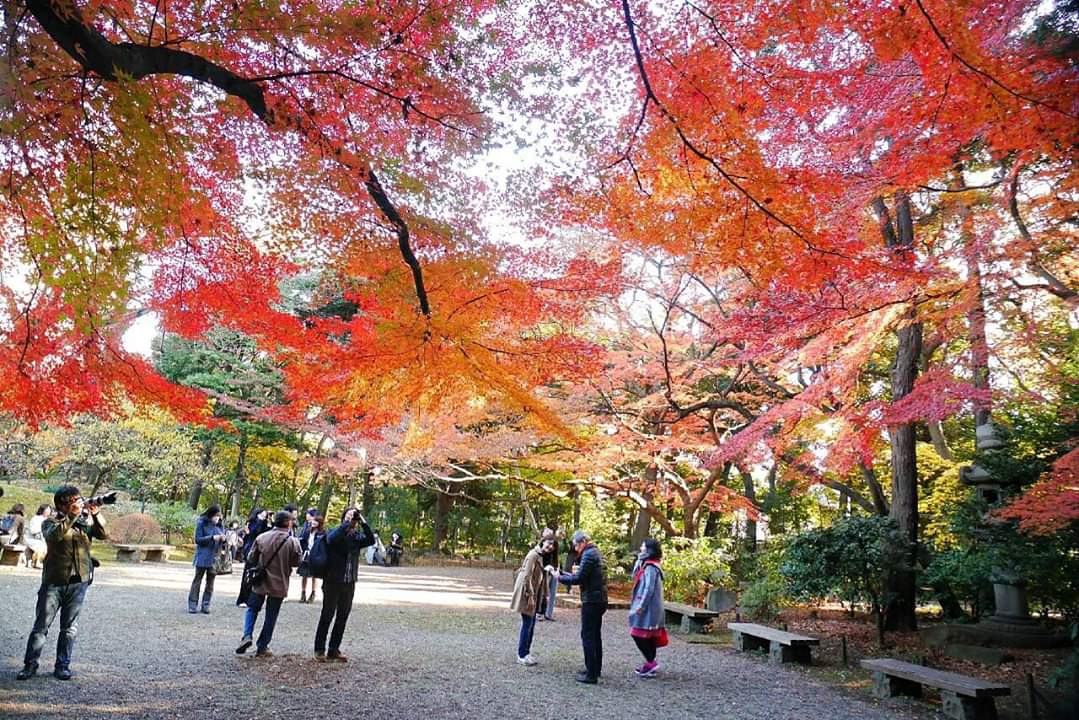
<point>68,572</point>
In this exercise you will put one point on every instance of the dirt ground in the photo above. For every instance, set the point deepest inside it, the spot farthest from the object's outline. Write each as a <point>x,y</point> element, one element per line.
<point>423,642</point>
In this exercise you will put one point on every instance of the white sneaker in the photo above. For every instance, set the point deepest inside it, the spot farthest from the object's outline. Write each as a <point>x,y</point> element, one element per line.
<point>526,660</point>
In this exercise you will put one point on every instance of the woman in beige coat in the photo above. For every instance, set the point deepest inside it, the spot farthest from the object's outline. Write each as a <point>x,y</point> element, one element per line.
<point>529,591</point>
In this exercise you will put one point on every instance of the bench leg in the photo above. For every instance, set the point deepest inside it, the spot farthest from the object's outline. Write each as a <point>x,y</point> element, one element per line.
<point>745,643</point>
<point>155,556</point>
<point>779,654</point>
<point>886,687</point>
<point>959,707</point>
<point>672,618</point>
<point>692,625</point>
<point>131,556</point>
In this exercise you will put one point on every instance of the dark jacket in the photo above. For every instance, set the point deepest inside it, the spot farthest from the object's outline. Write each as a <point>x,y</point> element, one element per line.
<point>254,529</point>
<point>551,558</point>
<point>591,575</point>
<point>343,546</point>
<point>69,538</point>
<point>207,543</point>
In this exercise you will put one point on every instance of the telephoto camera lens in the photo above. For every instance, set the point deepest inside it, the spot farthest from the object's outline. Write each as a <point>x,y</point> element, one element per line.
<point>108,498</point>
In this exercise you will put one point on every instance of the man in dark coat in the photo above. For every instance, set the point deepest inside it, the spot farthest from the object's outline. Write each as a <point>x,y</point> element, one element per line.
<point>68,572</point>
<point>591,576</point>
<point>343,545</point>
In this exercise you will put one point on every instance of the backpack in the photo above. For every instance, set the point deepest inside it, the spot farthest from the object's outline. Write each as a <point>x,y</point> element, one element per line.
<point>7,523</point>
<point>318,557</point>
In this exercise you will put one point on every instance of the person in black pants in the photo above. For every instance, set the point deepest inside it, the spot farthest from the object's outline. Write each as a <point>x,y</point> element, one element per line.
<point>343,545</point>
<point>591,575</point>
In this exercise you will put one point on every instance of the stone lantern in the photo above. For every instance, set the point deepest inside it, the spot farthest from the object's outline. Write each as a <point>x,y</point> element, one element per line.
<point>1011,624</point>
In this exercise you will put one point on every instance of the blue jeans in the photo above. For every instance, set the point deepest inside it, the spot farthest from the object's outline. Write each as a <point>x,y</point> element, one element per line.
<point>592,637</point>
<point>552,591</point>
<point>254,605</point>
<point>528,627</point>
<point>67,599</point>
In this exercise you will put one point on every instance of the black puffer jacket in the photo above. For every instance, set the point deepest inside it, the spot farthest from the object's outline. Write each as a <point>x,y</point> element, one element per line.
<point>591,575</point>
<point>343,546</point>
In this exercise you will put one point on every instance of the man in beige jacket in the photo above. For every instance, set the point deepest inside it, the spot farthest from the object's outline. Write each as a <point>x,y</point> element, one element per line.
<point>278,552</point>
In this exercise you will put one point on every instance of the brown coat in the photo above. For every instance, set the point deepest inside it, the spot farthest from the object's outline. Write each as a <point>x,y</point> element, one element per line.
<point>530,587</point>
<point>68,538</point>
<point>279,564</point>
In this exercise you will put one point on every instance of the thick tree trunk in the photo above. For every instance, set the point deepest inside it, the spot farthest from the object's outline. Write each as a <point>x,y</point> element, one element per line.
<point>368,494</point>
<point>238,477</point>
<point>196,487</point>
<point>642,527</point>
<point>900,614</point>
<point>750,492</point>
<point>326,495</point>
<point>979,346</point>
<point>443,505</point>
<point>577,509</point>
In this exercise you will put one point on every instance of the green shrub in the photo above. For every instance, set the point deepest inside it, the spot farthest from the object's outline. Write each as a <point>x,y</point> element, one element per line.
<point>690,567</point>
<point>851,560</point>
<point>176,519</point>
<point>966,574</point>
<point>764,598</point>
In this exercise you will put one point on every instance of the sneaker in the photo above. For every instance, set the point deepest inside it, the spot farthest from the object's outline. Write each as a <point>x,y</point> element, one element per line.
<point>586,679</point>
<point>245,643</point>
<point>320,655</point>
<point>335,656</point>
<point>205,610</point>
<point>264,652</point>
<point>27,672</point>
<point>648,670</point>
<point>62,673</point>
<point>526,660</point>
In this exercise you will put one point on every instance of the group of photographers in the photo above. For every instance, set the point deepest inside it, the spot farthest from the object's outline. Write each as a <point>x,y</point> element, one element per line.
<point>333,555</point>
<point>269,566</point>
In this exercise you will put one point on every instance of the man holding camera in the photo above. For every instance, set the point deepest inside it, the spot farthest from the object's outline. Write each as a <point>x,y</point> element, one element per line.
<point>591,576</point>
<point>343,545</point>
<point>68,572</point>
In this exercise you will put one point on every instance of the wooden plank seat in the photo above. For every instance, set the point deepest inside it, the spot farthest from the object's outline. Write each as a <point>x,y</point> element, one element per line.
<point>140,553</point>
<point>10,554</point>
<point>782,646</point>
<point>687,617</point>
<point>965,697</point>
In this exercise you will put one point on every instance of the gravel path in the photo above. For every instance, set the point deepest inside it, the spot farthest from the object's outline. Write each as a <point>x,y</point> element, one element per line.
<point>424,643</point>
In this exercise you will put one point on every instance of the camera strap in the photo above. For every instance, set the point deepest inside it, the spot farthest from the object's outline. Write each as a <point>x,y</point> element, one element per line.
<point>284,540</point>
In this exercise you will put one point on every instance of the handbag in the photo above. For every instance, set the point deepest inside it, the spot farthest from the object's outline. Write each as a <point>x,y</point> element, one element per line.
<point>222,561</point>
<point>254,574</point>
<point>662,640</point>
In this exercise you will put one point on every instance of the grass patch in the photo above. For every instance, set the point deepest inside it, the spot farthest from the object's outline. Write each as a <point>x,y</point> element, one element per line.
<point>29,497</point>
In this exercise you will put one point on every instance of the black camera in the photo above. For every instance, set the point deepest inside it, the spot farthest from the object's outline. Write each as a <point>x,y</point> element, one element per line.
<point>108,498</point>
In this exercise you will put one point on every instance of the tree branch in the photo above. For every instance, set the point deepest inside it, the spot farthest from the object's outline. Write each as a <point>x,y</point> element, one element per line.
<point>64,23</point>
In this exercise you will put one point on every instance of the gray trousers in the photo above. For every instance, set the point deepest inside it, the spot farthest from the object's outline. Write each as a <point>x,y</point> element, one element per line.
<point>207,593</point>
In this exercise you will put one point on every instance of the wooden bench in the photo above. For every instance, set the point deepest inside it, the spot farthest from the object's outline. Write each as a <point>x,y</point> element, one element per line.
<point>11,554</point>
<point>965,698</point>
<point>140,553</point>
<point>782,646</point>
<point>687,617</point>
